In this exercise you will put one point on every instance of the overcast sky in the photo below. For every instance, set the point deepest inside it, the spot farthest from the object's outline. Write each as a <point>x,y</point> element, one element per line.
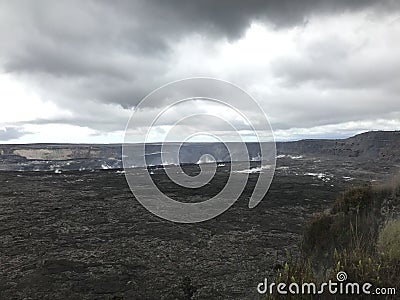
<point>72,71</point>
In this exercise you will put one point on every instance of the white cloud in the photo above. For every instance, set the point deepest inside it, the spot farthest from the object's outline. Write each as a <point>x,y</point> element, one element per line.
<point>19,103</point>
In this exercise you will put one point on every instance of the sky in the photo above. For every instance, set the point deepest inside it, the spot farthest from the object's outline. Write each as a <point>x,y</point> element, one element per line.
<point>75,71</point>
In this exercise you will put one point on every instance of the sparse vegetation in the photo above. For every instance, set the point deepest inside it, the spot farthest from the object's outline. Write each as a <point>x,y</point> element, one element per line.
<point>354,199</point>
<point>294,271</point>
<point>359,235</point>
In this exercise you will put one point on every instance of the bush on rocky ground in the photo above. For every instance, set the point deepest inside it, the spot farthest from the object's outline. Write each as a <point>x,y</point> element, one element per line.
<point>360,235</point>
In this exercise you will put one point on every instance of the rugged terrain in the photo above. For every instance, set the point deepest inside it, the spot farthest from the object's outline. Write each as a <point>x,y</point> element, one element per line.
<point>82,235</point>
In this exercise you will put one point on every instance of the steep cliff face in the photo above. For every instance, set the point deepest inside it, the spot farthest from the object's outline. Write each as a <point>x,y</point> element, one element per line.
<point>61,151</point>
<point>41,157</point>
<point>379,144</point>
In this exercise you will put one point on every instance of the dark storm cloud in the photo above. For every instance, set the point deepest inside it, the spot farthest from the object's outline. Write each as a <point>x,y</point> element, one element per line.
<point>127,43</point>
<point>231,18</point>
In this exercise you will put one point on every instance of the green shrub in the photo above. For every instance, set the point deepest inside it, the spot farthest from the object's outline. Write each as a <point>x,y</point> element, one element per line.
<point>389,240</point>
<point>365,267</point>
<point>354,200</point>
<point>358,265</point>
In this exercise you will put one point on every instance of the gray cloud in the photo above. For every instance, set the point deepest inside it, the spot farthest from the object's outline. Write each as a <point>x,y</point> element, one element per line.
<point>332,62</point>
<point>11,133</point>
<point>124,41</point>
<point>83,54</point>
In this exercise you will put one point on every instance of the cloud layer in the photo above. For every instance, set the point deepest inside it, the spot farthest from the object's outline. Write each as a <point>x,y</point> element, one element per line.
<point>310,64</point>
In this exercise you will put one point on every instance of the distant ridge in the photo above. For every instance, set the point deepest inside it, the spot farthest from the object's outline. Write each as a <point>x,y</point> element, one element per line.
<point>368,145</point>
<point>373,145</point>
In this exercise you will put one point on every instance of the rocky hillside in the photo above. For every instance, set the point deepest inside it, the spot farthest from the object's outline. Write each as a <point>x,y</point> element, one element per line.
<point>369,145</point>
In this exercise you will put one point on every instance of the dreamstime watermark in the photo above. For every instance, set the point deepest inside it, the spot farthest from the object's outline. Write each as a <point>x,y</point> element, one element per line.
<point>334,288</point>
<point>190,108</point>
